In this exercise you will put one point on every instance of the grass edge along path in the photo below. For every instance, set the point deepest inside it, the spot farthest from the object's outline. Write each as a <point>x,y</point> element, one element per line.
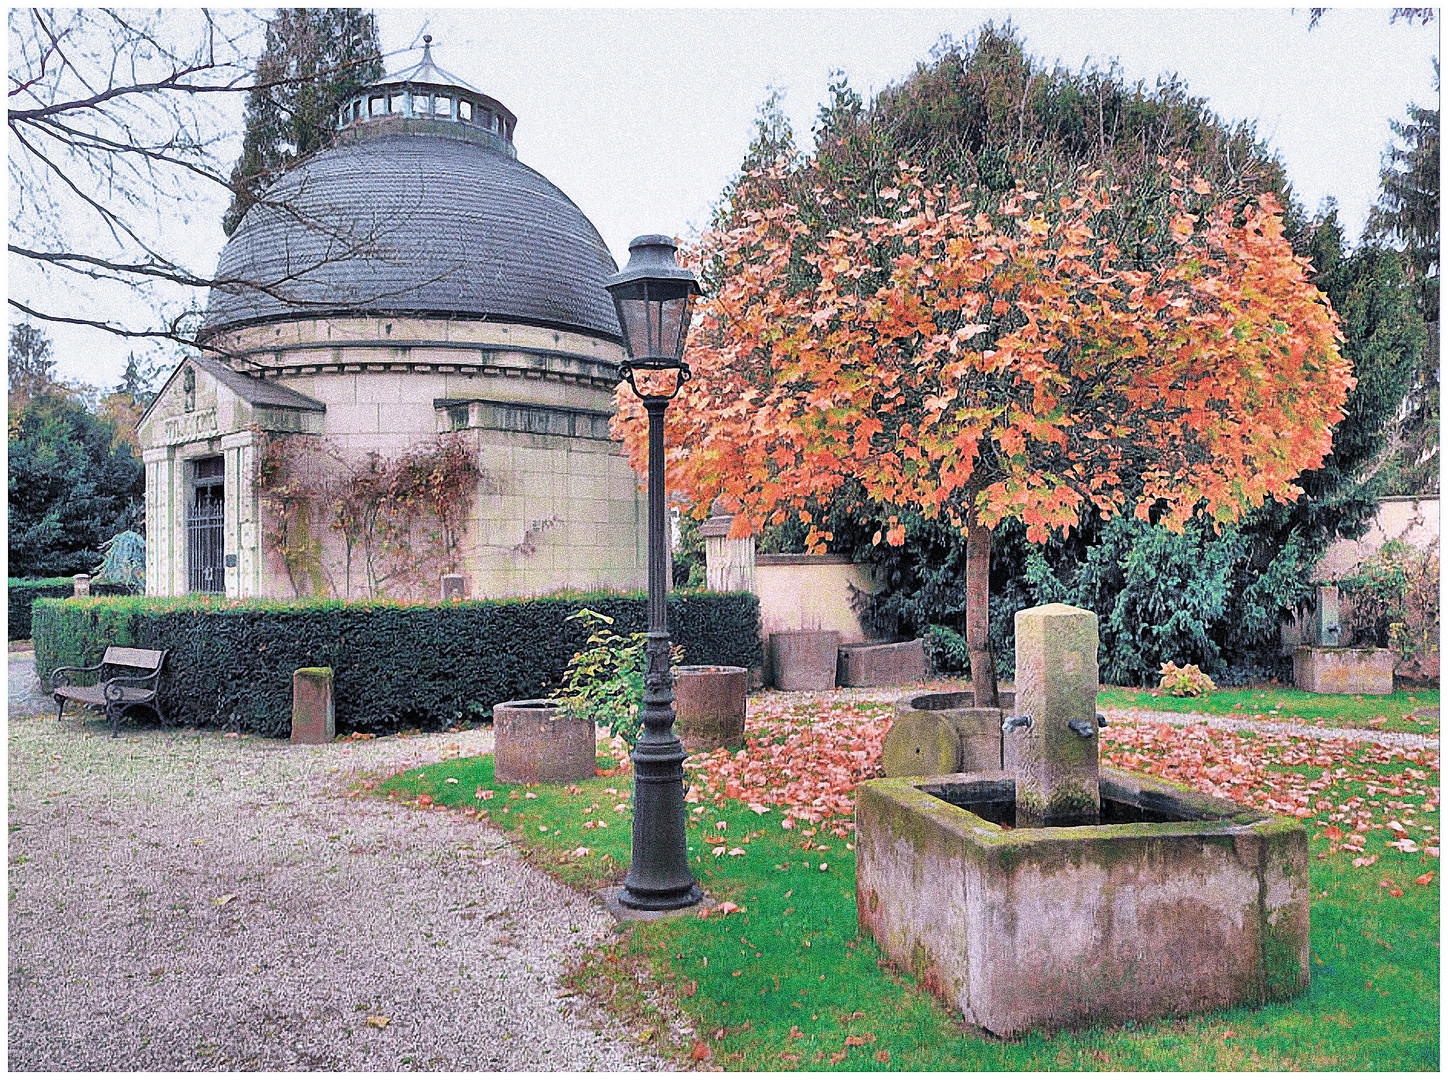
<point>1414,711</point>
<point>776,976</point>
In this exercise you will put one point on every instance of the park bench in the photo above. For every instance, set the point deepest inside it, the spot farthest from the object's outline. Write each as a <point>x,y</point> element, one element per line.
<point>114,692</point>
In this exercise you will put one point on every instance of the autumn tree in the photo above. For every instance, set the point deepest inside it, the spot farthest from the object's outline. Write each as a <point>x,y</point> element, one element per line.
<point>313,61</point>
<point>998,361</point>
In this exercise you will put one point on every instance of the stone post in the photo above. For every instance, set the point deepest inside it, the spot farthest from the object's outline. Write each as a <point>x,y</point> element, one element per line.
<point>729,564</point>
<point>82,584</point>
<point>1055,760</point>
<point>454,587</point>
<point>314,719</point>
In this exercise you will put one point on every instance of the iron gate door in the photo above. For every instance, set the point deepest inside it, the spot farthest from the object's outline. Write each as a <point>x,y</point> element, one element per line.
<point>205,542</point>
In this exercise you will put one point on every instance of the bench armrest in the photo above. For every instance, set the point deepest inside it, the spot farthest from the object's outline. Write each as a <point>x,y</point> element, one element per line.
<point>77,670</point>
<point>114,688</point>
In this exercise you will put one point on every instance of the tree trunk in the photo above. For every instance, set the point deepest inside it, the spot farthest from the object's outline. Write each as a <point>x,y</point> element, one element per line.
<point>977,615</point>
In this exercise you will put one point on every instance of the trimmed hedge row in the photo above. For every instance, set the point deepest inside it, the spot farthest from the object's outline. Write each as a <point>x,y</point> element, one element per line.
<point>23,592</point>
<point>397,666</point>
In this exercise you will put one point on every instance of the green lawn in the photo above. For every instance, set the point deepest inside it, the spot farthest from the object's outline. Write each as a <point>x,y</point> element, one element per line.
<point>786,982</point>
<point>1403,710</point>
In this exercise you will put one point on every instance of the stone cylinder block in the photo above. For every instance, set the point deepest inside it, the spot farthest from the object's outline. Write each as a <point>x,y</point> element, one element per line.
<point>537,741</point>
<point>804,659</point>
<point>709,705</point>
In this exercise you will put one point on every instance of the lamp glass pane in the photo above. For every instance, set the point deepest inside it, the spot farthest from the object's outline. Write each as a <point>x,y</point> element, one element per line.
<point>671,323</point>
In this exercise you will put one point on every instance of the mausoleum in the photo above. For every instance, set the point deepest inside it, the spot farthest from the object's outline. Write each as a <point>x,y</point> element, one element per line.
<point>413,280</point>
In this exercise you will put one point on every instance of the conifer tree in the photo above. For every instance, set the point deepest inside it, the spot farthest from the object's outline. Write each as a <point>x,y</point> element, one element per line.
<point>313,60</point>
<point>1406,217</point>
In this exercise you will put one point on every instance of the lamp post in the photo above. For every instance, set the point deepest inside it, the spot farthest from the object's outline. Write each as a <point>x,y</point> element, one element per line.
<point>653,295</point>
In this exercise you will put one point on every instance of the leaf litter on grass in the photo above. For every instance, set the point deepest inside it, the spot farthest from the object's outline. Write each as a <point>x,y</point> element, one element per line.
<point>789,793</point>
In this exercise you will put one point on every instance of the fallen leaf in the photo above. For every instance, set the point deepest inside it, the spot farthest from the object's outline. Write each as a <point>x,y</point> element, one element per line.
<point>378,1021</point>
<point>451,780</point>
<point>424,800</point>
<point>882,1056</point>
<point>222,901</point>
<point>1426,879</point>
<point>700,1051</point>
<point>859,1040</point>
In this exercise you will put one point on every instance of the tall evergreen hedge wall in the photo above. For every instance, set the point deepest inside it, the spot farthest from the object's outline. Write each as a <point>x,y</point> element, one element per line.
<point>397,666</point>
<point>23,592</point>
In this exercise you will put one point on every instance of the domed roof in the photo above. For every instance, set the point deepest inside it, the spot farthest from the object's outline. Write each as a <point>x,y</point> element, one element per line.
<point>413,216</point>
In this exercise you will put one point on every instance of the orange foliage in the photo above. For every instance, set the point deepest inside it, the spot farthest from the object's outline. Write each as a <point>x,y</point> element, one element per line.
<point>1002,364</point>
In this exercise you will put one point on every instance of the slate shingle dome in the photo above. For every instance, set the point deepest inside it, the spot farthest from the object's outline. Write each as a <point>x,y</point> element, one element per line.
<point>416,212</point>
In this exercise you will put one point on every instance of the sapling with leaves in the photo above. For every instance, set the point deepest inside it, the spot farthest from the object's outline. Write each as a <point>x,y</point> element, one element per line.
<point>604,682</point>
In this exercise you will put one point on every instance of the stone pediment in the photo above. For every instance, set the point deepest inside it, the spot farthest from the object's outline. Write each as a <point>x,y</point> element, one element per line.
<point>204,399</point>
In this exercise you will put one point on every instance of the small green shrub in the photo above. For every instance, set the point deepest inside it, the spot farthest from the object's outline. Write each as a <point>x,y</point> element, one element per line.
<point>947,650</point>
<point>604,682</point>
<point>398,666</point>
<point>1393,603</point>
<point>1186,681</point>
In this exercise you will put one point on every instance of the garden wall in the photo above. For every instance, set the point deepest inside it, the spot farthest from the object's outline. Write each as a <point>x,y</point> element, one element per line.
<point>397,666</point>
<point>811,592</point>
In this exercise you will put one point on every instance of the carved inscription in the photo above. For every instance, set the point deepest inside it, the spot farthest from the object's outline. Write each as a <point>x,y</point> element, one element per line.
<point>189,426</point>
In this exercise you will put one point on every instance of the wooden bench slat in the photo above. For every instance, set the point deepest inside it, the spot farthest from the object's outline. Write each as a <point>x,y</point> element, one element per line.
<point>125,657</point>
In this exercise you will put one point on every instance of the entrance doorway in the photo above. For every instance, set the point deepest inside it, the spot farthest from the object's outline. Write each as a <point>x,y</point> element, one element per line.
<point>205,515</point>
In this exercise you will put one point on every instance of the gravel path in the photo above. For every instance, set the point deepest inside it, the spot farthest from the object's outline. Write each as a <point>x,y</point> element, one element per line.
<point>1406,739</point>
<point>184,900</point>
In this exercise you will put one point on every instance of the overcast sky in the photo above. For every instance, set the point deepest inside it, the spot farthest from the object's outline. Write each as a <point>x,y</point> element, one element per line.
<point>642,115</point>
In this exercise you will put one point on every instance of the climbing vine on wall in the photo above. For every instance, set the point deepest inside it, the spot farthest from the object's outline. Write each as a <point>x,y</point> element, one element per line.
<point>400,520</point>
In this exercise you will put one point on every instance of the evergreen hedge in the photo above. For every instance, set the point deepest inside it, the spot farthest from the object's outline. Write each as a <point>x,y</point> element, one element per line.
<point>23,592</point>
<point>397,666</point>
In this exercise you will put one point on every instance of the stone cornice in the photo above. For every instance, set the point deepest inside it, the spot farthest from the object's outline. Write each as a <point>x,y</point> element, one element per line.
<point>465,358</point>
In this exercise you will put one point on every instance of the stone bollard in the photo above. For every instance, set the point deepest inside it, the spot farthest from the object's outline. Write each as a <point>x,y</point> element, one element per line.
<point>1054,755</point>
<point>537,740</point>
<point>81,584</point>
<point>314,717</point>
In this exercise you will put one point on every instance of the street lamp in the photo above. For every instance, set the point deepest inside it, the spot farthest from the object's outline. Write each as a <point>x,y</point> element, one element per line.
<point>653,295</point>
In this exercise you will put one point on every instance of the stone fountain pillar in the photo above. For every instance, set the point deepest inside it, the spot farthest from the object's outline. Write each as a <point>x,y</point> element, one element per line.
<point>1050,745</point>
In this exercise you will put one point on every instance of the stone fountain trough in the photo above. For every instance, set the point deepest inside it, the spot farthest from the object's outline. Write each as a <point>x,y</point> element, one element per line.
<point>1054,893</point>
